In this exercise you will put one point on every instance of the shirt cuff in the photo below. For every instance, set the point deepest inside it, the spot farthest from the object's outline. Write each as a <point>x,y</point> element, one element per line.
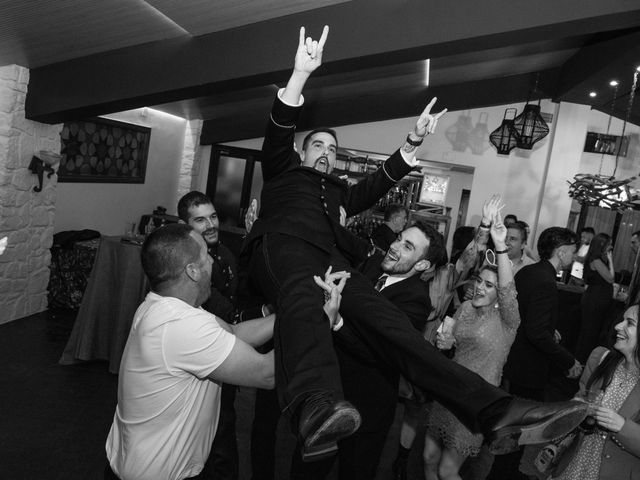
<point>409,158</point>
<point>281,91</point>
<point>338,325</point>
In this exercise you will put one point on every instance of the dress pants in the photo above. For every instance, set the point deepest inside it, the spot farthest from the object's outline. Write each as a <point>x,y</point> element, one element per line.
<point>373,389</point>
<point>263,435</point>
<point>222,463</point>
<point>282,267</point>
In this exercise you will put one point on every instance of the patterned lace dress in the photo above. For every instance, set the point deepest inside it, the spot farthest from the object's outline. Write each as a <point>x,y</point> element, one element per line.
<point>586,463</point>
<point>482,345</point>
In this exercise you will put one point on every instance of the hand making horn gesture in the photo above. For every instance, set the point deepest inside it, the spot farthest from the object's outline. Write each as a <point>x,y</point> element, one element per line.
<point>427,122</point>
<point>309,53</point>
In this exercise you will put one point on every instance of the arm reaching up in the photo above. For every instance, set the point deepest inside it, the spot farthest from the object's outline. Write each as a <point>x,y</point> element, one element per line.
<point>308,58</point>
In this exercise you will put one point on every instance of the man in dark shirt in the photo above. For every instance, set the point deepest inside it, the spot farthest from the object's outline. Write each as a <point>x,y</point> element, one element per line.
<point>197,210</point>
<point>534,349</point>
<point>395,219</point>
<point>299,233</point>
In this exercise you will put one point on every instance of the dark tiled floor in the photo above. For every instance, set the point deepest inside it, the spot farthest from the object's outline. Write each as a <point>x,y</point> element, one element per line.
<point>54,419</point>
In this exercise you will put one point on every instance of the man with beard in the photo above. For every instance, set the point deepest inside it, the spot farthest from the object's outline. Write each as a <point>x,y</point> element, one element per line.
<point>298,233</point>
<point>369,384</point>
<point>197,210</point>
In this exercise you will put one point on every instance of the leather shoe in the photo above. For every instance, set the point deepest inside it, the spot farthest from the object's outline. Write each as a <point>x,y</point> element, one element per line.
<point>526,422</point>
<point>323,421</point>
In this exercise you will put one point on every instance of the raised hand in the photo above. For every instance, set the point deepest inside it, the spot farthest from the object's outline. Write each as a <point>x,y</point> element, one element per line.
<point>427,122</point>
<point>309,53</point>
<point>491,207</point>
<point>498,231</point>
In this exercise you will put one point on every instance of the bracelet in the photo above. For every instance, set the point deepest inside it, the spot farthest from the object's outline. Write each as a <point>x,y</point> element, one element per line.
<point>413,142</point>
<point>484,225</point>
<point>497,252</point>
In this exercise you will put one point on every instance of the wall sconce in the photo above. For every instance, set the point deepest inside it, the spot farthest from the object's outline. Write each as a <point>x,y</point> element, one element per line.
<point>43,162</point>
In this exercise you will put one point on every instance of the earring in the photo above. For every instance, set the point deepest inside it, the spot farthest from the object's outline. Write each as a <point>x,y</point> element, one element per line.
<point>496,305</point>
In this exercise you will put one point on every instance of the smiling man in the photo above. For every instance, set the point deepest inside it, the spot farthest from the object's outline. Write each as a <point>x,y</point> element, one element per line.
<point>368,383</point>
<point>197,210</point>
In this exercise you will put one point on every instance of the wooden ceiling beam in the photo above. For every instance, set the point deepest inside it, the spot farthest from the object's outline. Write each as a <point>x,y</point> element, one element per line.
<point>365,34</point>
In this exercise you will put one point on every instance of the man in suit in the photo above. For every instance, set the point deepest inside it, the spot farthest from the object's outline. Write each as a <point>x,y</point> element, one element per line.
<point>395,219</point>
<point>299,233</point>
<point>535,348</point>
<point>196,209</point>
<point>371,385</point>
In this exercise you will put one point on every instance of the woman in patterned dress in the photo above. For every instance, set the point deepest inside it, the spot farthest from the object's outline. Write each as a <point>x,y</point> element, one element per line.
<point>612,451</point>
<point>484,330</point>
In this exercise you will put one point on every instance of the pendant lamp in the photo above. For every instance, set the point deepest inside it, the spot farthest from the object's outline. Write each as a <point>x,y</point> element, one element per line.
<point>504,137</point>
<point>530,127</point>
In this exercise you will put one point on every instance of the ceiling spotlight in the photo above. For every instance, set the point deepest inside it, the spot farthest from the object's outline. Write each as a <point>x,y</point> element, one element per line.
<point>638,68</point>
<point>613,83</point>
<point>593,94</point>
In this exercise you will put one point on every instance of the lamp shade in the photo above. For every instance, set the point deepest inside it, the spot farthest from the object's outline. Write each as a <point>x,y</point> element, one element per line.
<point>530,127</point>
<point>504,137</point>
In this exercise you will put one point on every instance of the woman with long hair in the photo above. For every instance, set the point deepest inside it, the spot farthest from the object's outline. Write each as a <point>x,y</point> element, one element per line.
<point>612,450</point>
<point>484,330</point>
<point>597,298</point>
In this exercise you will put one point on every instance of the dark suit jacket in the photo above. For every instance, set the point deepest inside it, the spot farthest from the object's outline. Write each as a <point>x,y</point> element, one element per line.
<point>224,284</point>
<point>534,348</point>
<point>369,384</point>
<point>303,202</point>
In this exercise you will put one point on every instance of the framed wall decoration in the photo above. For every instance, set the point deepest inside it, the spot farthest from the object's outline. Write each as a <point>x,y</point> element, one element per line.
<point>434,189</point>
<point>100,150</point>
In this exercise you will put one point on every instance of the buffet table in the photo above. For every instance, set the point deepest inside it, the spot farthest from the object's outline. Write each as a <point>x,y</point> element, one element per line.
<point>116,288</point>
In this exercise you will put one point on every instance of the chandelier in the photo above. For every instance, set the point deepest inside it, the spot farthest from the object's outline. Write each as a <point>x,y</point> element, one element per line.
<point>603,191</point>
<point>606,191</point>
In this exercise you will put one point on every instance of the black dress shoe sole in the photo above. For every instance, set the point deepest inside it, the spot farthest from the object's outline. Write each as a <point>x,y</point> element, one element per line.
<point>323,442</point>
<point>509,439</point>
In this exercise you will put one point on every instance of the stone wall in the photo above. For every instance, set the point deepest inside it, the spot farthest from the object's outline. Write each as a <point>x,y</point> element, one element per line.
<point>26,217</point>
<point>190,161</point>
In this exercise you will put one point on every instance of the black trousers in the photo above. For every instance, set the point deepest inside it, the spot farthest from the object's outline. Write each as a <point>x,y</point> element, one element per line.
<point>282,266</point>
<point>222,463</point>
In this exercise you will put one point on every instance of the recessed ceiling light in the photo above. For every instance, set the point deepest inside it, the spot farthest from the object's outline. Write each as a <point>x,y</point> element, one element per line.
<point>593,94</point>
<point>613,83</point>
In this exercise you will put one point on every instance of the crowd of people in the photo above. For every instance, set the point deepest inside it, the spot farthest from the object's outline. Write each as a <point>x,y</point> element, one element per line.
<point>332,328</point>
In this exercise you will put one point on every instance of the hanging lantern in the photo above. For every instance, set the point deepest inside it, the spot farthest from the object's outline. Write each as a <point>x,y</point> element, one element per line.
<point>504,137</point>
<point>530,127</point>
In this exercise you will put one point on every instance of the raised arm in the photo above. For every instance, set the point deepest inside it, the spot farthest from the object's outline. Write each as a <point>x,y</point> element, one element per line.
<point>368,191</point>
<point>308,58</point>
<point>507,300</point>
<point>278,152</point>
